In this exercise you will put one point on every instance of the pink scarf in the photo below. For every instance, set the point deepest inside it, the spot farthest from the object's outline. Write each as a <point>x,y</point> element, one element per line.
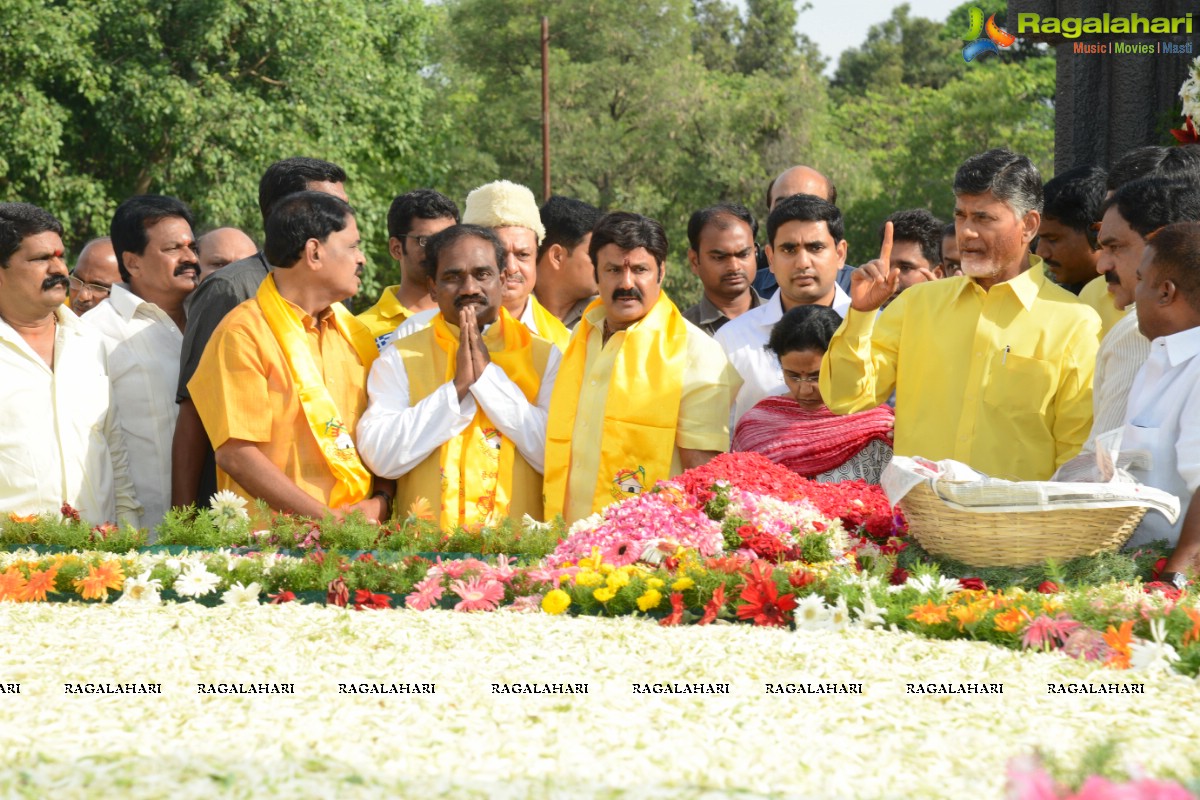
<point>809,442</point>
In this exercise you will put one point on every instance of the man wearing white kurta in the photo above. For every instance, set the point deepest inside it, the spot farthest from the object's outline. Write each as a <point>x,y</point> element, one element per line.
<point>142,322</point>
<point>806,249</point>
<point>60,442</point>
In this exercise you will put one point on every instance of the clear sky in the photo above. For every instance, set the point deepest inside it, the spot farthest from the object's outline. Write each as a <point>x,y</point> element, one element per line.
<point>837,25</point>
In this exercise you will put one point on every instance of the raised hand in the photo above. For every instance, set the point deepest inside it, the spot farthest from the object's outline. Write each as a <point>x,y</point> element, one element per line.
<point>480,357</point>
<point>875,281</point>
<point>465,373</point>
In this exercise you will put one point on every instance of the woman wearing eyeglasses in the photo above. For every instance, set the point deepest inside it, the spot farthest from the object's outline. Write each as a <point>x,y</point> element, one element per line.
<point>796,429</point>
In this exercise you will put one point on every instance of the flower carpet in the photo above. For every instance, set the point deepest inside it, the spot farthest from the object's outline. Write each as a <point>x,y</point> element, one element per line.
<point>465,740</point>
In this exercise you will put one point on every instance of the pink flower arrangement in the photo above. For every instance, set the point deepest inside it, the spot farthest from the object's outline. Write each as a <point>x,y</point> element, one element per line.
<point>1029,780</point>
<point>478,594</point>
<point>1045,633</point>
<point>425,593</point>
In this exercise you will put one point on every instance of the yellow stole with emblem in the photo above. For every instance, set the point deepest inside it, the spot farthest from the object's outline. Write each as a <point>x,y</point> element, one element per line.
<point>324,418</point>
<point>641,410</point>
<point>549,326</point>
<point>479,476</point>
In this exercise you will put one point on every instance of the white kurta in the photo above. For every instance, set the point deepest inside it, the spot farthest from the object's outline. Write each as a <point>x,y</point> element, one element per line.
<point>143,345</point>
<point>60,441</point>
<point>395,436</point>
<point>1163,425</point>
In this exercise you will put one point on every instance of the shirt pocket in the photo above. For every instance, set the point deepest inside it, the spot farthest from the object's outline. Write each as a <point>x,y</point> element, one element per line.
<point>1020,388</point>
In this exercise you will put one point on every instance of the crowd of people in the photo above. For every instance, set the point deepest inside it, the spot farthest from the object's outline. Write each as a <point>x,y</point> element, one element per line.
<point>528,362</point>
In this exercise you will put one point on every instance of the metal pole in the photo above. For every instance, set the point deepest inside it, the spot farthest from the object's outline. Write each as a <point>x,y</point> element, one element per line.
<point>545,108</point>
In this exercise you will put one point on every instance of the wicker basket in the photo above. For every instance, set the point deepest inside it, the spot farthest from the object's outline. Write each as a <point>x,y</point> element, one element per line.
<point>1014,538</point>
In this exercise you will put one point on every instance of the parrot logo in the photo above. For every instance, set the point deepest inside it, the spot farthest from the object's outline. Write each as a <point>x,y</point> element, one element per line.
<point>983,38</point>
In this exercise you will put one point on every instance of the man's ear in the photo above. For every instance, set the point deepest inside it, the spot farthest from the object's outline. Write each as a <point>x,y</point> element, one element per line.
<point>396,248</point>
<point>694,261</point>
<point>843,247</point>
<point>938,272</point>
<point>1030,223</point>
<point>312,254</point>
<point>557,254</point>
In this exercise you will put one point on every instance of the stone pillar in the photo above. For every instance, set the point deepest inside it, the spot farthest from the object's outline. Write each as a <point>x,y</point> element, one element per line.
<point>1108,103</point>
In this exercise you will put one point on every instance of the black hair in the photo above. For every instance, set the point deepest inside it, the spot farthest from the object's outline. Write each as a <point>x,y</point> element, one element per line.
<point>701,219</point>
<point>1177,258</point>
<point>1155,161</point>
<point>1011,177</point>
<point>920,226</point>
<point>803,328</point>
<point>418,204</point>
<point>298,217</point>
<point>293,175</point>
<point>134,216</point>
<point>1075,198</point>
<point>806,208</point>
<point>629,232</point>
<point>567,221</point>
<point>447,237</point>
<point>1148,204</point>
<point>19,221</point>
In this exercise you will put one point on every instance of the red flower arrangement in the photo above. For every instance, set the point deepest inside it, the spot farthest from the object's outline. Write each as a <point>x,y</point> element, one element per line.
<point>764,604</point>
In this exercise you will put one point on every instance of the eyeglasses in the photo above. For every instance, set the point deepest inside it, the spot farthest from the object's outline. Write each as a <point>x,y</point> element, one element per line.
<point>421,240</point>
<point>95,289</point>
<point>810,379</point>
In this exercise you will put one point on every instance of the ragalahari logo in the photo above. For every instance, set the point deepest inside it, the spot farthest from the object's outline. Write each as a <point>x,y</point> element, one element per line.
<point>983,38</point>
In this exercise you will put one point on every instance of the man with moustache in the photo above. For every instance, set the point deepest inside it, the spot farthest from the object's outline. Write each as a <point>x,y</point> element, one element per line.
<point>283,381</point>
<point>94,275</point>
<point>458,409</point>
<point>1130,217</point>
<point>642,394</point>
<point>143,321</point>
<point>721,253</point>
<point>193,464</point>
<point>993,369</point>
<point>60,443</point>
<point>806,248</point>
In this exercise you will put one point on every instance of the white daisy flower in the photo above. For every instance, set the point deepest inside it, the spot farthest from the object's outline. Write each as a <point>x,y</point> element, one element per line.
<point>140,591</point>
<point>1156,654</point>
<point>228,511</point>
<point>811,614</point>
<point>871,615</point>
<point>197,581</point>
<point>238,595</point>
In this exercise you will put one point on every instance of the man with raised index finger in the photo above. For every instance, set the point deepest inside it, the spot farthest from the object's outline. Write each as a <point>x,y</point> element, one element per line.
<point>993,368</point>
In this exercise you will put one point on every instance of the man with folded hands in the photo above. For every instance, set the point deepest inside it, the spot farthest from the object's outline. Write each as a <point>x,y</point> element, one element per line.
<point>458,409</point>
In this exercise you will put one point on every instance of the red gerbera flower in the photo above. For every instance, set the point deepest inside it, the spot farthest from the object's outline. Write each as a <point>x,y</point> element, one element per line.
<point>676,615</point>
<point>764,604</point>
<point>282,597</point>
<point>714,606</point>
<point>364,599</point>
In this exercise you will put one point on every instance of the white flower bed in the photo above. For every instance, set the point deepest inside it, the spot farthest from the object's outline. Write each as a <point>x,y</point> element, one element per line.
<point>468,742</point>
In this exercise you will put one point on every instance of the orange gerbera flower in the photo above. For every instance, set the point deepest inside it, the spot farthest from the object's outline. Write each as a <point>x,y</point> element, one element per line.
<point>99,580</point>
<point>421,509</point>
<point>114,576</point>
<point>1012,620</point>
<point>39,584</point>
<point>15,517</point>
<point>930,614</point>
<point>12,584</point>
<point>1194,634</point>
<point>1121,642</point>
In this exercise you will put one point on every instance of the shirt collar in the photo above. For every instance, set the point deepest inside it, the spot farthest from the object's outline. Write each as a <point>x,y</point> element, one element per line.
<point>1181,346</point>
<point>389,304</point>
<point>124,301</point>
<point>709,313</point>
<point>1025,286</point>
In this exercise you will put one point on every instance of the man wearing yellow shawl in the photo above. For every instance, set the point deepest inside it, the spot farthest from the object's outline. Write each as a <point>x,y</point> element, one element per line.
<point>282,382</point>
<point>458,410</point>
<point>510,210</point>
<point>642,393</point>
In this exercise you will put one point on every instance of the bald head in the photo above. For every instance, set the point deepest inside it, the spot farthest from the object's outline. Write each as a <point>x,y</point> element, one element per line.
<point>801,180</point>
<point>96,267</point>
<point>222,246</point>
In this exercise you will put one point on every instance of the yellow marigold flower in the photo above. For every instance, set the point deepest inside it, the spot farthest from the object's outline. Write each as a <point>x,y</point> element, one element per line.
<point>1011,621</point>
<point>588,578</point>
<point>682,584</point>
<point>616,580</point>
<point>604,594</point>
<point>930,614</point>
<point>649,600</point>
<point>606,569</point>
<point>556,601</point>
<point>654,583</point>
<point>966,614</point>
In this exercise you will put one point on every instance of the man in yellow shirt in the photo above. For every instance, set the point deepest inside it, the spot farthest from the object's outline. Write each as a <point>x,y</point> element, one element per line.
<point>412,219</point>
<point>282,382</point>
<point>642,394</point>
<point>458,409</point>
<point>994,368</point>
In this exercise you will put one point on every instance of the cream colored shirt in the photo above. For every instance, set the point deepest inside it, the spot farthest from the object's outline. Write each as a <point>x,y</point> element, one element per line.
<point>143,345</point>
<point>60,441</point>
<point>1123,351</point>
<point>709,385</point>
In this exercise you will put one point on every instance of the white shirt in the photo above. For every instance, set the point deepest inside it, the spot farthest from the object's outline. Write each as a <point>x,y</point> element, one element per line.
<point>395,436</point>
<point>422,319</point>
<point>1163,423</point>
<point>1122,353</point>
<point>743,340</point>
<point>143,345</point>
<point>60,440</point>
